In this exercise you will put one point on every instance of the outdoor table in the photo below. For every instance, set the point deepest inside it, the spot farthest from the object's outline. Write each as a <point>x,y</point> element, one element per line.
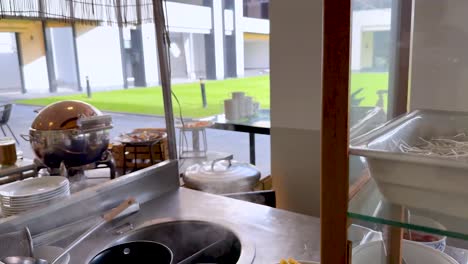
<point>257,124</point>
<point>141,150</point>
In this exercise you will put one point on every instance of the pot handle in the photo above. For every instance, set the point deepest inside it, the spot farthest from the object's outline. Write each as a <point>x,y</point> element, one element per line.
<point>228,158</point>
<point>90,130</point>
<point>26,137</point>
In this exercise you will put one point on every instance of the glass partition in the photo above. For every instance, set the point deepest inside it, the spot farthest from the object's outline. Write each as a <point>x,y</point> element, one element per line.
<point>411,168</point>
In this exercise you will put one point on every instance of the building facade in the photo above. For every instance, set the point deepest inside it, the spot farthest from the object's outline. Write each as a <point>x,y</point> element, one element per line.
<point>210,39</point>
<point>370,40</point>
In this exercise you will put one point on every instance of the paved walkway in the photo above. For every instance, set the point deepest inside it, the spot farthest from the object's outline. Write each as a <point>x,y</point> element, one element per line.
<point>218,140</point>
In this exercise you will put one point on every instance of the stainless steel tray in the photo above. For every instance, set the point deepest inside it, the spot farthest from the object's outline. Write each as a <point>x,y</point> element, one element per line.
<point>427,182</point>
<point>384,141</point>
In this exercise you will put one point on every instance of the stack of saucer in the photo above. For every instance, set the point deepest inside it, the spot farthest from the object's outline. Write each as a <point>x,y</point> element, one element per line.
<point>22,196</point>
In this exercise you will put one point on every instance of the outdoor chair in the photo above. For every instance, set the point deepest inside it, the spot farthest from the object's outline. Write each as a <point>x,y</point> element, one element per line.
<point>5,112</point>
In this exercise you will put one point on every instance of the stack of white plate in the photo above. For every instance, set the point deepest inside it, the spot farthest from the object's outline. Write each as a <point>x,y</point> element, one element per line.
<point>21,196</point>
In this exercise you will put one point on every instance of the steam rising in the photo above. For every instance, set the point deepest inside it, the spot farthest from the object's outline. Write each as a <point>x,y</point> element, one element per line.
<point>186,238</point>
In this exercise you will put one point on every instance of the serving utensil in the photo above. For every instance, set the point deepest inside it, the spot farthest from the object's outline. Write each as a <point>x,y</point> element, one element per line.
<point>107,217</point>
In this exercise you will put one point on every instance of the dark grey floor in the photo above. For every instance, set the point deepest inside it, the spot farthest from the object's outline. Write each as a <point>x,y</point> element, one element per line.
<point>218,140</point>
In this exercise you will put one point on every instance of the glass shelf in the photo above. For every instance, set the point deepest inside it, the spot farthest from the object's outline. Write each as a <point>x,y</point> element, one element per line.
<point>369,205</point>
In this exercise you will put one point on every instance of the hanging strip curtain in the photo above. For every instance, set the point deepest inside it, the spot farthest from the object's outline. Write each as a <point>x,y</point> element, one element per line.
<point>120,12</point>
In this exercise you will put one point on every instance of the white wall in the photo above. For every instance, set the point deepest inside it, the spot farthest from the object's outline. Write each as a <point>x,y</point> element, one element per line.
<point>198,52</point>
<point>99,57</point>
<point>9,66</point>
<point>296,64</point>
<point>255,25</point>
<point>366,20</point>
<point>257,54</point>
<point>35,76</point>
<point>9,71</point>
<point>189,18</point>
<point>64,60</point>
<point>439,65</point>
<point>228,21</point>
<point>296,103</point>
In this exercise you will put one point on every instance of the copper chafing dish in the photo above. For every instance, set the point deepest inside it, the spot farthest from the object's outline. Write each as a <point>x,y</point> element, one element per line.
<point>74,133</point>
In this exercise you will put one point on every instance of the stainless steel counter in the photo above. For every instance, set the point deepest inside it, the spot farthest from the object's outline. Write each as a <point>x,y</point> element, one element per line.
<point>274,233</point>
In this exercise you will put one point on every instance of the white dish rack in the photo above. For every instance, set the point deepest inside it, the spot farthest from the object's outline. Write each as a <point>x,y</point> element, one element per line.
<point>428,182</point>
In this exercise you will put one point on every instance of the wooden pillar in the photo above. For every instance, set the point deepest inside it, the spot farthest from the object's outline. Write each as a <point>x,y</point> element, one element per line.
<point>334,137</point>
<point>394,237</point>
<point>401,27</point>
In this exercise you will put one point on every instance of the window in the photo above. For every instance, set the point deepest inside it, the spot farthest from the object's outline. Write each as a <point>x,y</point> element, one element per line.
<point>257,8</point>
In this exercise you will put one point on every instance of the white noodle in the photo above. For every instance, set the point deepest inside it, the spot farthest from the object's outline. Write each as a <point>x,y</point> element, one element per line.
<point>444,147</point>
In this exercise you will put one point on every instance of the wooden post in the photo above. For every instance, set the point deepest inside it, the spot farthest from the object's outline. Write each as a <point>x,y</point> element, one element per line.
<point>398,96</point>
<point>394,245</point>
<point>394,237</point>
<point>334,133</point>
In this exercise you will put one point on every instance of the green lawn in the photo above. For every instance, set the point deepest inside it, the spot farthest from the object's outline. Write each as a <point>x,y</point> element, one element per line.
<point>149,100</point>
<point>371,82</point>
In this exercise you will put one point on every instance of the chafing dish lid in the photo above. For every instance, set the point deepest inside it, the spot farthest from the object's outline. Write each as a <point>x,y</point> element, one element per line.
<point>67,115</point>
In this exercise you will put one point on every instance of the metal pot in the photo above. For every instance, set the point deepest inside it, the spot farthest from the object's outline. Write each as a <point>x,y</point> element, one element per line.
<point>222,176</point>
<point>72,132</point>
<point>135,252</point>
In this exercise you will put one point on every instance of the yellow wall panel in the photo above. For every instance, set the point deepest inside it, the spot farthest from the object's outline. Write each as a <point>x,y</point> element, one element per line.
<point>31,37</point>
<point>11,25</point>
<point>58,24</point>
<point>256,36</point>
<point>81,29</point>
<point>32,42</point>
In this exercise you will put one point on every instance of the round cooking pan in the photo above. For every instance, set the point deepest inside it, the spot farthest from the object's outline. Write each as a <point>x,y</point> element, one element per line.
<point>135,252</point>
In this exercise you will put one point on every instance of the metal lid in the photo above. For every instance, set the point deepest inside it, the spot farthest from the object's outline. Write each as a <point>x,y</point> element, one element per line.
<point>222,176</point>
<point>68,115</point>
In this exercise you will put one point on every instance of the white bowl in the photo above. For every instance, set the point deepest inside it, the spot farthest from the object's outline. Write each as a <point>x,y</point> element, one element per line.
<point>359,235</point>
<point>425,221</point>
<point>413,253</point>
<point>369,253</point>
<point>417,253</point>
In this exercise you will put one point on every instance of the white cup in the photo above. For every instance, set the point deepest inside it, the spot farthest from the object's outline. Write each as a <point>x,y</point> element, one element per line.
<point>238,95</point>
<point>231,110</point>
<point>238,98</point>
<point>248,106</point>
<point>256,107</point>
